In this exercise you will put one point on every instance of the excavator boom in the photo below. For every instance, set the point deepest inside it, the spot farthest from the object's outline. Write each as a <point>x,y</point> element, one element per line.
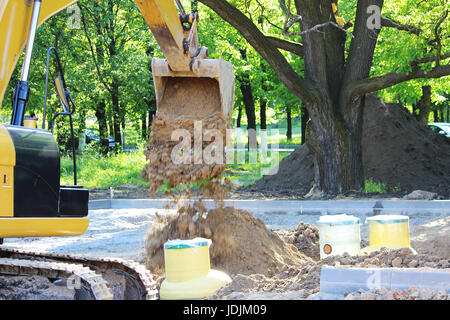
<point>179,45</point>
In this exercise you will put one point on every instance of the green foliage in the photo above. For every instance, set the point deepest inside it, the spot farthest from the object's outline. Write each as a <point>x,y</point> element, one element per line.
<point>372,186</point>
<point>396,49</point>
<point>379,187</point>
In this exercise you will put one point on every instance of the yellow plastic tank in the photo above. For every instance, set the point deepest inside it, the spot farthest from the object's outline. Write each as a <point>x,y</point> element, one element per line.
<point>391,231</point>
<point>188,270</point>
<point>338,234</point>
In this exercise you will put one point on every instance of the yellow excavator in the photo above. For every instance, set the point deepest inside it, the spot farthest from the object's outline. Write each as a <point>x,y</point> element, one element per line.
<point>32,201</point>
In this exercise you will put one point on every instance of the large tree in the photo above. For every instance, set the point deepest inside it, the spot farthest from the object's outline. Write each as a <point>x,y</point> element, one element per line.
<point>337,78</point>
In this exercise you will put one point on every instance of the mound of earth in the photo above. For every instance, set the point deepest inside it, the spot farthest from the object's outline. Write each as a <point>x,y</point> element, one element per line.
<point>397,151</point>
<point>241,243</point>
<point>305,238</point>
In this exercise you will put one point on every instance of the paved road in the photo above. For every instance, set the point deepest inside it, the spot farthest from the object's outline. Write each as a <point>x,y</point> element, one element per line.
<point>286,214</point>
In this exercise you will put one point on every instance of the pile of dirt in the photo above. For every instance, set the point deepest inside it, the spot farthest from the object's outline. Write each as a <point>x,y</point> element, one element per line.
<point>32,288</point>
<point>305,238</point>
<point>432,237</point>
<point>304,282</point>
<point>295,175</point>
<point>397,151</point>
<point>241,243</point>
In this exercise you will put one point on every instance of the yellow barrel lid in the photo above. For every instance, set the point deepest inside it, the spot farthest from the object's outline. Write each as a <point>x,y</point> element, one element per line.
<point>388,218</point>
<point>183,244</point>
<point>337,219</point>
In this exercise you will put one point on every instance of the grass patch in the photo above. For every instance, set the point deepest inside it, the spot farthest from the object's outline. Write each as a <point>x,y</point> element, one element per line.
<point>96,171</point>
<point>372,186</point>
<point>100,172</point>
<point>247,173</point>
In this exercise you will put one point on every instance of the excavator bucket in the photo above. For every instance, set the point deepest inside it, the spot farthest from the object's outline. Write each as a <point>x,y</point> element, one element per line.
<point>201,94</point>
<point>194,99</point>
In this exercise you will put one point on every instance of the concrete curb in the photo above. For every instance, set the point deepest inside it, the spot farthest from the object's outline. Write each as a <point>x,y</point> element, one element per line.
<point>286,214</point>
<point>334,282</point>
<point>359,208</point>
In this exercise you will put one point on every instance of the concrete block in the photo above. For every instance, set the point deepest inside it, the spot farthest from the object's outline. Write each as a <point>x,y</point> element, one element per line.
<point>335,281</point>
<point>432,279</point>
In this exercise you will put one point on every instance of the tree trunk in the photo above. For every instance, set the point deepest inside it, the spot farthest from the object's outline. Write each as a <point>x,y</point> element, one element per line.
<point>337,145</point>
<point>305,118</point>
<point>263,100</point>
<point>289,123</point>
<point>415,111</point>
<point>144,132</point>
<point>100,113</point>
<point>116,112</point>
<point>249,102</point>
<point>247,97</point>
<point>239,116</point>
<point>262,114</point>
<point>424,105</point>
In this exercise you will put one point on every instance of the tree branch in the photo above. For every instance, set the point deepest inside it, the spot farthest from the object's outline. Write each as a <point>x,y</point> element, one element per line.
<point>361,87</point>
<point>316,28</point>
<point>362,48</point>
<point>389,23</point>
<point>296,84</point>
<point>286,45</point>
<point>437,33</point>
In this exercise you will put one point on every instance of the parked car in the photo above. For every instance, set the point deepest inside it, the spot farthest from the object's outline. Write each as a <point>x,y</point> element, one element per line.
<point>92,136</point>
<point>440,127</point>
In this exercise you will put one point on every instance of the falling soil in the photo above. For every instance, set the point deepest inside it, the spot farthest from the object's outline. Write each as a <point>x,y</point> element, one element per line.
<point>191,160</point>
